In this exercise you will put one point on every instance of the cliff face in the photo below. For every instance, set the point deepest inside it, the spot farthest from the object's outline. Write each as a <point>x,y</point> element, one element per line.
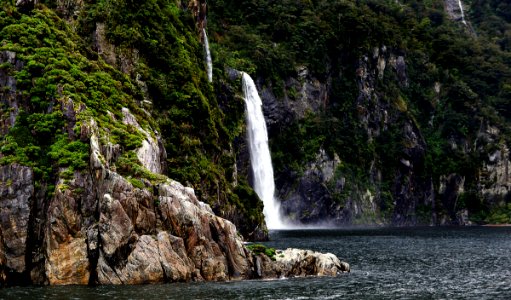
<point>321,193</point>
<point>404,193</point>
<point>388,113</point>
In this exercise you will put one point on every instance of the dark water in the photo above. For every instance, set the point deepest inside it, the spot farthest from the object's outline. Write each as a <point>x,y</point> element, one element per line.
<point>412,263</point>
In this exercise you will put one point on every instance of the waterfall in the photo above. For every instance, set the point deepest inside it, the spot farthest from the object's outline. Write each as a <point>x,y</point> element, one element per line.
<point>260,158</point>
<point>208,56</point>
<point>462,13</point>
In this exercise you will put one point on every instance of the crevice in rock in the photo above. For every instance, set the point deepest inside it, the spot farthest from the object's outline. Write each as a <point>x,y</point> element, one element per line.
<point>166,278</point>
<point>35,238</point>
<point>119,258</point>
<point>93,253</point>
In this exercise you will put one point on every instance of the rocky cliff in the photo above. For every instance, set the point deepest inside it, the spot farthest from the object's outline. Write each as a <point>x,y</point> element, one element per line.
<point>100,229</point>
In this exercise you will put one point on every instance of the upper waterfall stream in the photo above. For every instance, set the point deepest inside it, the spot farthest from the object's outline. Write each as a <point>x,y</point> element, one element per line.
<point>462,12</point>
<point>209,61</point>
<point>260,157</point>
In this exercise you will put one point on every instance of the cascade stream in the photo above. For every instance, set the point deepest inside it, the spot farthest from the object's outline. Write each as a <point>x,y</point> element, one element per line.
<point>462,12</point>
<point>260,158</point>
<point>209,62</point>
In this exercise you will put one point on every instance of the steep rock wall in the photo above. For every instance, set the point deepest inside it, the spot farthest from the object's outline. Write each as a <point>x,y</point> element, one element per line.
<point>397,190</point>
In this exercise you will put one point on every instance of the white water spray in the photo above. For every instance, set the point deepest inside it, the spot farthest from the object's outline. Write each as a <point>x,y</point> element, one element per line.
<point>462,12</point>
<point>260,158</point>
<point>209,62</point>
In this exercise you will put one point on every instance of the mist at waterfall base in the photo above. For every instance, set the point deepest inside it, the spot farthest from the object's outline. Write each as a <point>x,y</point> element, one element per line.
<point>386,263</point>
<point>209,61</point>
<point>260,158</point>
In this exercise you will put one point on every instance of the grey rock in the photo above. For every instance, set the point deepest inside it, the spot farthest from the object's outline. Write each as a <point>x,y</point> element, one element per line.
<point>16,196</point>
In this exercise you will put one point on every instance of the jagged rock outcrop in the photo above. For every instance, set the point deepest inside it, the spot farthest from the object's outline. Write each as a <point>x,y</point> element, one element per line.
<point>303,94</point>
<point>152,154</point>
<point>495,176</point>
<point>308,199</point>
<point>100,229</point>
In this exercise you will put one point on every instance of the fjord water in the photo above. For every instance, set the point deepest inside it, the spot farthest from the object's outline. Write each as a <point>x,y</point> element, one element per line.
<point>410,263</point>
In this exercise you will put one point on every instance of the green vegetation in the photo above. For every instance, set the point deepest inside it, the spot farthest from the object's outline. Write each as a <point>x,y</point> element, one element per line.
<point>258,249</point>
<point>54,74</point>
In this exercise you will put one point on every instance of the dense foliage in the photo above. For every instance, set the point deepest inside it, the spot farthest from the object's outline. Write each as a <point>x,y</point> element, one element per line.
<point>55,73</point>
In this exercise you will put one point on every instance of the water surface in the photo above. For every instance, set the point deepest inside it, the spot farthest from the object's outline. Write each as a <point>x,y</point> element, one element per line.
<point>404,263</point>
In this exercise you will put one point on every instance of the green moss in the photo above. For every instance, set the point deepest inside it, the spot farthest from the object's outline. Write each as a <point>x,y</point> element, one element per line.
<point>136,183</point>
<point>259,249</point>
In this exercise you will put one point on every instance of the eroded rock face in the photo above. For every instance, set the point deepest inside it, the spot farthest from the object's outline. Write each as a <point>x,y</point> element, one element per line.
<point>496,172</point>
<point>322,193</point>
<point>16,195</point>
<point>152,154</point>
<point>310,200</point>
<point>304,94</point>
<point>69,215</point>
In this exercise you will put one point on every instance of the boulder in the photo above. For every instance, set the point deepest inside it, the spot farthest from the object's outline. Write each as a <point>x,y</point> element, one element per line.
<point>297,262</point>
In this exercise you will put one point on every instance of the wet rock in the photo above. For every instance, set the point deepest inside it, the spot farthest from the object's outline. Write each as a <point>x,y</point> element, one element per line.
<point>453,9</point>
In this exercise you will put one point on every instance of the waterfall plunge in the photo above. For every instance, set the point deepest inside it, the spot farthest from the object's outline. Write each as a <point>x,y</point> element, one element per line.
<point>260,158</point>
<point>209,62</point>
